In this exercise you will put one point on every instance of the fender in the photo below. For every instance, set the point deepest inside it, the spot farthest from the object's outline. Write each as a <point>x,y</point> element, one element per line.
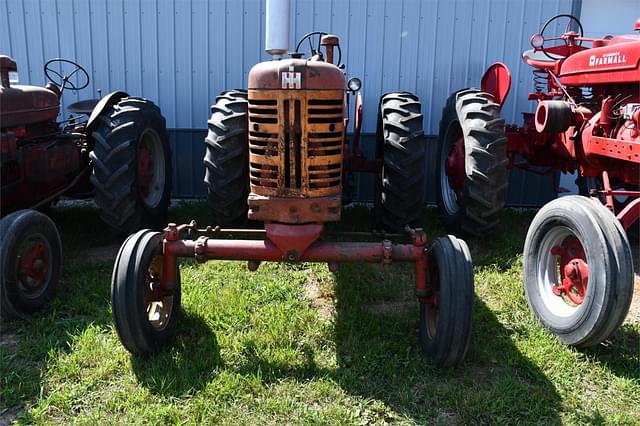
<point>497,82</point>
<point>103,104</point>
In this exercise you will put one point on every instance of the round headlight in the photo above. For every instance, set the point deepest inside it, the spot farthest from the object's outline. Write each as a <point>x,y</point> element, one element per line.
<point>354,84</point>
<point>537,40</point>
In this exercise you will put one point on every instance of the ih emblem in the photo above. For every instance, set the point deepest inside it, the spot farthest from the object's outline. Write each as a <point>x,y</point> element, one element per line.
<point>291,79</point>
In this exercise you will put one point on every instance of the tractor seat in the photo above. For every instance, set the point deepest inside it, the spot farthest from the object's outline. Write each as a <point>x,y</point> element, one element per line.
<point>538,59</point>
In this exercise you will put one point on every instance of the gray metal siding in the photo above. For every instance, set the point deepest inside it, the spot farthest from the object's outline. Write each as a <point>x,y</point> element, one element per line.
<point>182,53</point>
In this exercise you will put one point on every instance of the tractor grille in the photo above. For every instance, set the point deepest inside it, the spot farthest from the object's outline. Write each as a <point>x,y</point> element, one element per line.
<point>295,142</point>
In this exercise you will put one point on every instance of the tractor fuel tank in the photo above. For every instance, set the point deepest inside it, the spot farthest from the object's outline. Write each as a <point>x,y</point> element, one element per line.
<point>615,63</point>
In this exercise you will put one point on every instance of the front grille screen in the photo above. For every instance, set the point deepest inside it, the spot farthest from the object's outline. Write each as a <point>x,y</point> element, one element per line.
<point>295,142</point>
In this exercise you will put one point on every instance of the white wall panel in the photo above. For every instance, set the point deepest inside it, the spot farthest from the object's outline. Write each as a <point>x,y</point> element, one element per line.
<point>181,53</point>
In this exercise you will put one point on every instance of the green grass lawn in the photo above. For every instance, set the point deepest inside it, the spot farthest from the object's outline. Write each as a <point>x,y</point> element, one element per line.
<point>294,343</point>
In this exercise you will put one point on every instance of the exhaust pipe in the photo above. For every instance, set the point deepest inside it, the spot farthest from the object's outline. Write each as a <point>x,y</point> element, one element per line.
<point>277,27</point>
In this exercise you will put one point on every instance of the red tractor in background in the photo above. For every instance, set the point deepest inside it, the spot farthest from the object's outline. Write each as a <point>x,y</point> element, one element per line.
<point>114,149</point>
<point>278,154</point>
<point>578,269</point>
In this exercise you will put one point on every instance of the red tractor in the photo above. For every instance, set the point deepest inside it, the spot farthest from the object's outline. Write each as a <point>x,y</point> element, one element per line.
<point>114,149</point>
<point>578,267</point>
<point>278,154</point>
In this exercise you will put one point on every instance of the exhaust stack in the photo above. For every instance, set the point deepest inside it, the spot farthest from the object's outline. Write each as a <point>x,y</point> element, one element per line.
<point>277,27</point>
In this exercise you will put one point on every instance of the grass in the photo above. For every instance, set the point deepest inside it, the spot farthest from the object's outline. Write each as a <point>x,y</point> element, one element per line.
<point>298,344</point>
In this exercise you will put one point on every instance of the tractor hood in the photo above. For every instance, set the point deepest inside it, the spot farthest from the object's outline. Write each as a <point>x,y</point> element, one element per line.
<point>296,74</point>
<point>22,105</point>
<point>617,62</point>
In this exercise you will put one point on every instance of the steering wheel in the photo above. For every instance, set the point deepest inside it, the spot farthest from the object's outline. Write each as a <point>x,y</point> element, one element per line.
<point>317,51</point>
<point>566,30</point>
<point>63,80</point>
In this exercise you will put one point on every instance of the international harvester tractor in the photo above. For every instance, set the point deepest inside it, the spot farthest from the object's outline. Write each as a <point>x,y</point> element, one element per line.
<point>578,268</point>
<point>113,149</point>
<point>278,154</point>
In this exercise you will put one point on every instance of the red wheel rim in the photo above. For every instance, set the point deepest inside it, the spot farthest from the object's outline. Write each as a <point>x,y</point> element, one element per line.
<point>574,270</point>
<point>145,168</point>
<point>454,167</point>
<point>33,266</point>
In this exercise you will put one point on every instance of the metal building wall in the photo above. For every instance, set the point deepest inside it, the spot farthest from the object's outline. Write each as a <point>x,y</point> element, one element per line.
<point>181,53</point>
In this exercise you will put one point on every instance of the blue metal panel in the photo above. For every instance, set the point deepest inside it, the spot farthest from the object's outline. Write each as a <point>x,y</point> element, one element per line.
<point>182,53</point>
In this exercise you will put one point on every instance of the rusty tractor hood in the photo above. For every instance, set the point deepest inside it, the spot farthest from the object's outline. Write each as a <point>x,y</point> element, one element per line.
<point>22,105</point>
<point>296,74</point>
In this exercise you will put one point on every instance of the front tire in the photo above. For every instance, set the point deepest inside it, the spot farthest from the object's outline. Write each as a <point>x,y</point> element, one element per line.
<point>471,167</point>
<point>31,256</point>
<point>578,270</point>
<point>226,159</point>
<point>446,315</point>
<point>145,315</point>
<point>399,194</point>
<point>132,165</point>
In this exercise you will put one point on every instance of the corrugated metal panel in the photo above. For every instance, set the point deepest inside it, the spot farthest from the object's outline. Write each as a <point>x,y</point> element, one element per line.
<point>182,53</point>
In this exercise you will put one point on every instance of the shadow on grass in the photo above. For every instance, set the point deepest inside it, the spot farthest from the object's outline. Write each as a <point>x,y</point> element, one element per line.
<point>379,357</point>
<point>187,366</point>
<point>620,353</point>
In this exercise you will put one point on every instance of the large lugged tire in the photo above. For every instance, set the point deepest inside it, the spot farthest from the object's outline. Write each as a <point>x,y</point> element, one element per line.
<point>31,257</point>
<point>226,159</point>
<point>578,243</point>
<point>400,142</point>
<point>445,318</point>
<point>132,165</point>
<point>471,167</point>
<point>145,315</point>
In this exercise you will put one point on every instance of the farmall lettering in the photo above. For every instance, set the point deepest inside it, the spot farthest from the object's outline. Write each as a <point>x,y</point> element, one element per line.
<point>607,59</point>
<point>291,79</point>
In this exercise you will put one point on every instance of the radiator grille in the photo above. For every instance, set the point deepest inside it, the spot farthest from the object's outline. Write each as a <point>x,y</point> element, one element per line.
<point>295,142</point>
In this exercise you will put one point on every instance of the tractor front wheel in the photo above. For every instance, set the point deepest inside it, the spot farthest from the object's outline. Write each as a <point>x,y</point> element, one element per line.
<point>446,314</point>
<point>132,165</point>
<point>578,270</point>
<point>471,166</point>
<point>399,193</point>
<point>226,159</point>
<point>144,312</point>
<point>30,252</point>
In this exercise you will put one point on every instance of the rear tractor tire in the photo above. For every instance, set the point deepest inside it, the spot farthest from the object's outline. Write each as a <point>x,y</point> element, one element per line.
<point>132,165</point>
<point>31,258</point>
<point>471,166</point>
<point>399,192</point>
<point>578,270</point>
<point>226,159</point>
<point>144,313</point>
<point>446,315</point>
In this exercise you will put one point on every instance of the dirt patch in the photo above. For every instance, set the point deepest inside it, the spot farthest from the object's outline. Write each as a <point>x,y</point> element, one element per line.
<point>319,300</point>
<point>100,254</point>
<point>391,308</point>
<point>8,341</point>
<point>8,415</point>
<point>633,317</point>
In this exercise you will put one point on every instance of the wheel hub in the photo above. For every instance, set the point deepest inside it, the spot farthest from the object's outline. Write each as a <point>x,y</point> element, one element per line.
<point>454,167</point>
<point>145,168</point>
<point>574,270</point>
<point>33,265</point>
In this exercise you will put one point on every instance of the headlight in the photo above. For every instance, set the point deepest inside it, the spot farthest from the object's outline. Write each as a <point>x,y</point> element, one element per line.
<point>354,84</point>
<point>537,40</point>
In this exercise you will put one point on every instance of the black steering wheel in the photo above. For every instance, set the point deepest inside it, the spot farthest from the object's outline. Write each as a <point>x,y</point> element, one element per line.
<point>570,18</point>
<point>317,51</point>
<point>64,80</point>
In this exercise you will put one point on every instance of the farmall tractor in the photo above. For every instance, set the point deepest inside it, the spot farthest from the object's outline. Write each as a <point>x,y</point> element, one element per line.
<point>278,154</point>
<point>114,149</point>
<point>578,268</point>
